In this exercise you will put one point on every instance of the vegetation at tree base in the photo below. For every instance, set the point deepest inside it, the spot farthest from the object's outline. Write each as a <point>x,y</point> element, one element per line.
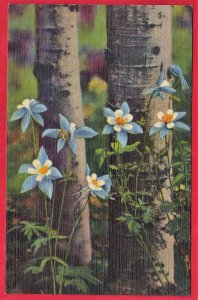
<point>37,251</point>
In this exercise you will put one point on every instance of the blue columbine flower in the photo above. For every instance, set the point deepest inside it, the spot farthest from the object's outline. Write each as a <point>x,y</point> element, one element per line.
<point>26,110</point>
<point>42,173</point>
<point>68,133</point>
<point>176,71</point>
<point>167,122</point>
<point>120,122</point>
<point>162,86</point>
<point>98,186</point>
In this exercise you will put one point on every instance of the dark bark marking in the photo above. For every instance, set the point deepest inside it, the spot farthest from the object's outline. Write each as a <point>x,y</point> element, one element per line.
<point>73,8</point>
<point>155,50</point>
<point>43,71</point>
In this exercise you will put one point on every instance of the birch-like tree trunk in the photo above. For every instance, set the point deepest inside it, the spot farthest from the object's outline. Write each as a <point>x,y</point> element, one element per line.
<point>57,71</point>
<point>139,44</point>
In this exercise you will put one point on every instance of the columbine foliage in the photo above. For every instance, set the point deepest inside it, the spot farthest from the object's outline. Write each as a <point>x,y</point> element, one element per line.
<point>139,211</point>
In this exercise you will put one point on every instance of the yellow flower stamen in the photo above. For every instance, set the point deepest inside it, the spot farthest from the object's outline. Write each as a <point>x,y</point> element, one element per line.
<point>96,183</point>
<point>63,134</point>
<point>167,118</point>
<point>43,170</point>
<point>120,121</point>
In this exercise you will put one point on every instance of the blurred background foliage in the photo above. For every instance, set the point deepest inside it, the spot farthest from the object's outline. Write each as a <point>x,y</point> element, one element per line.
<point>93,75</point>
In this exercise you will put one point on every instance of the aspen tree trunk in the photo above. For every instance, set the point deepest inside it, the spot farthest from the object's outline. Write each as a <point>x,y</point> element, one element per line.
<point>139,43</point>
<point>57,71</point>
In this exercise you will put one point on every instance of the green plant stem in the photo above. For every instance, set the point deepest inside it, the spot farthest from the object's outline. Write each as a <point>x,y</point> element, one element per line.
<point>141,242</point>
<point>50,249</point>
<point>155,257</point>
<point>169,174</point>
<point>34,138</point>
<point>60,213</point>
<point>62,201</point>
<point>184,165</point>
<point>144,146</point>
<point>70,241</point>
<point>52,207</point>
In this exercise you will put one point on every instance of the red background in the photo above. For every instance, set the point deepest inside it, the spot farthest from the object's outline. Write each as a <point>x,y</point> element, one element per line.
<point>3,119</point>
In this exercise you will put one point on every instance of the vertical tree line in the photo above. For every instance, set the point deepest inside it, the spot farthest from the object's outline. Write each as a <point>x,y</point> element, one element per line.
<point>139,47</point>
<point>58,74</point>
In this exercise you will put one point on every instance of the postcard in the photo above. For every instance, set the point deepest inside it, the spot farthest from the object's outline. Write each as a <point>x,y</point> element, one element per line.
<point>99,149</point>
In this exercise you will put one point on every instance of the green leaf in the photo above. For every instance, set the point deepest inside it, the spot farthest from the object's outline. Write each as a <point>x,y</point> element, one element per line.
<point>99,151</point>
<point>113,167</point>
<point>110,153</point>
<point>101,161</point>
<point>43,263</point>
<point>148,215</point>
<point>38,243</point>
<point>59,260</point>
<point>176,98</point>
<point>79,284</point>
<point>117,147</point>
<point>167,206</point>
<point>178,179</point>
<point>134,227</point>
<point>177,164</point>
<point>126,197</point>
<point>173,226</point>
<point>132,147</point>
<point>102,156</point>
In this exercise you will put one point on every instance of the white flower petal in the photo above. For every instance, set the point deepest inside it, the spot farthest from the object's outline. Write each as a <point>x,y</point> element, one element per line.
<point>117,128</point>
<point>48,173</point>
<point>72,127</point>
<point>26,102</point>
<point>128,118</point>
<point>118,113</point>
<point>39,177</point>
<point>127,126</point>
<point>92,186</point>
<point>170,111</point>
<point>32,171</point>
<point>98,188</point>
<point>48,163</point>
<point>89,179</point>
<point>175,114</point>
<point>111,120</point>
<point>36,163</point>
<point>101,182</point>
<point>170,125</point>
<point>164,83</point>
<point>20,106</point>
<point>93,176</point>
<point>160,115</point>
<point>159,124</point>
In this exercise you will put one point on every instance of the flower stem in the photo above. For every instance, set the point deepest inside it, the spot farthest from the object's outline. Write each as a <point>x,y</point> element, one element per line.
<point>50,248</point>
<point>142,243</point>
<point>184,166</point>
<point>70,241</point>
<point>60,213</point>
<point>62,201</point>
<point>52,207</point>
<point>34,138</point>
